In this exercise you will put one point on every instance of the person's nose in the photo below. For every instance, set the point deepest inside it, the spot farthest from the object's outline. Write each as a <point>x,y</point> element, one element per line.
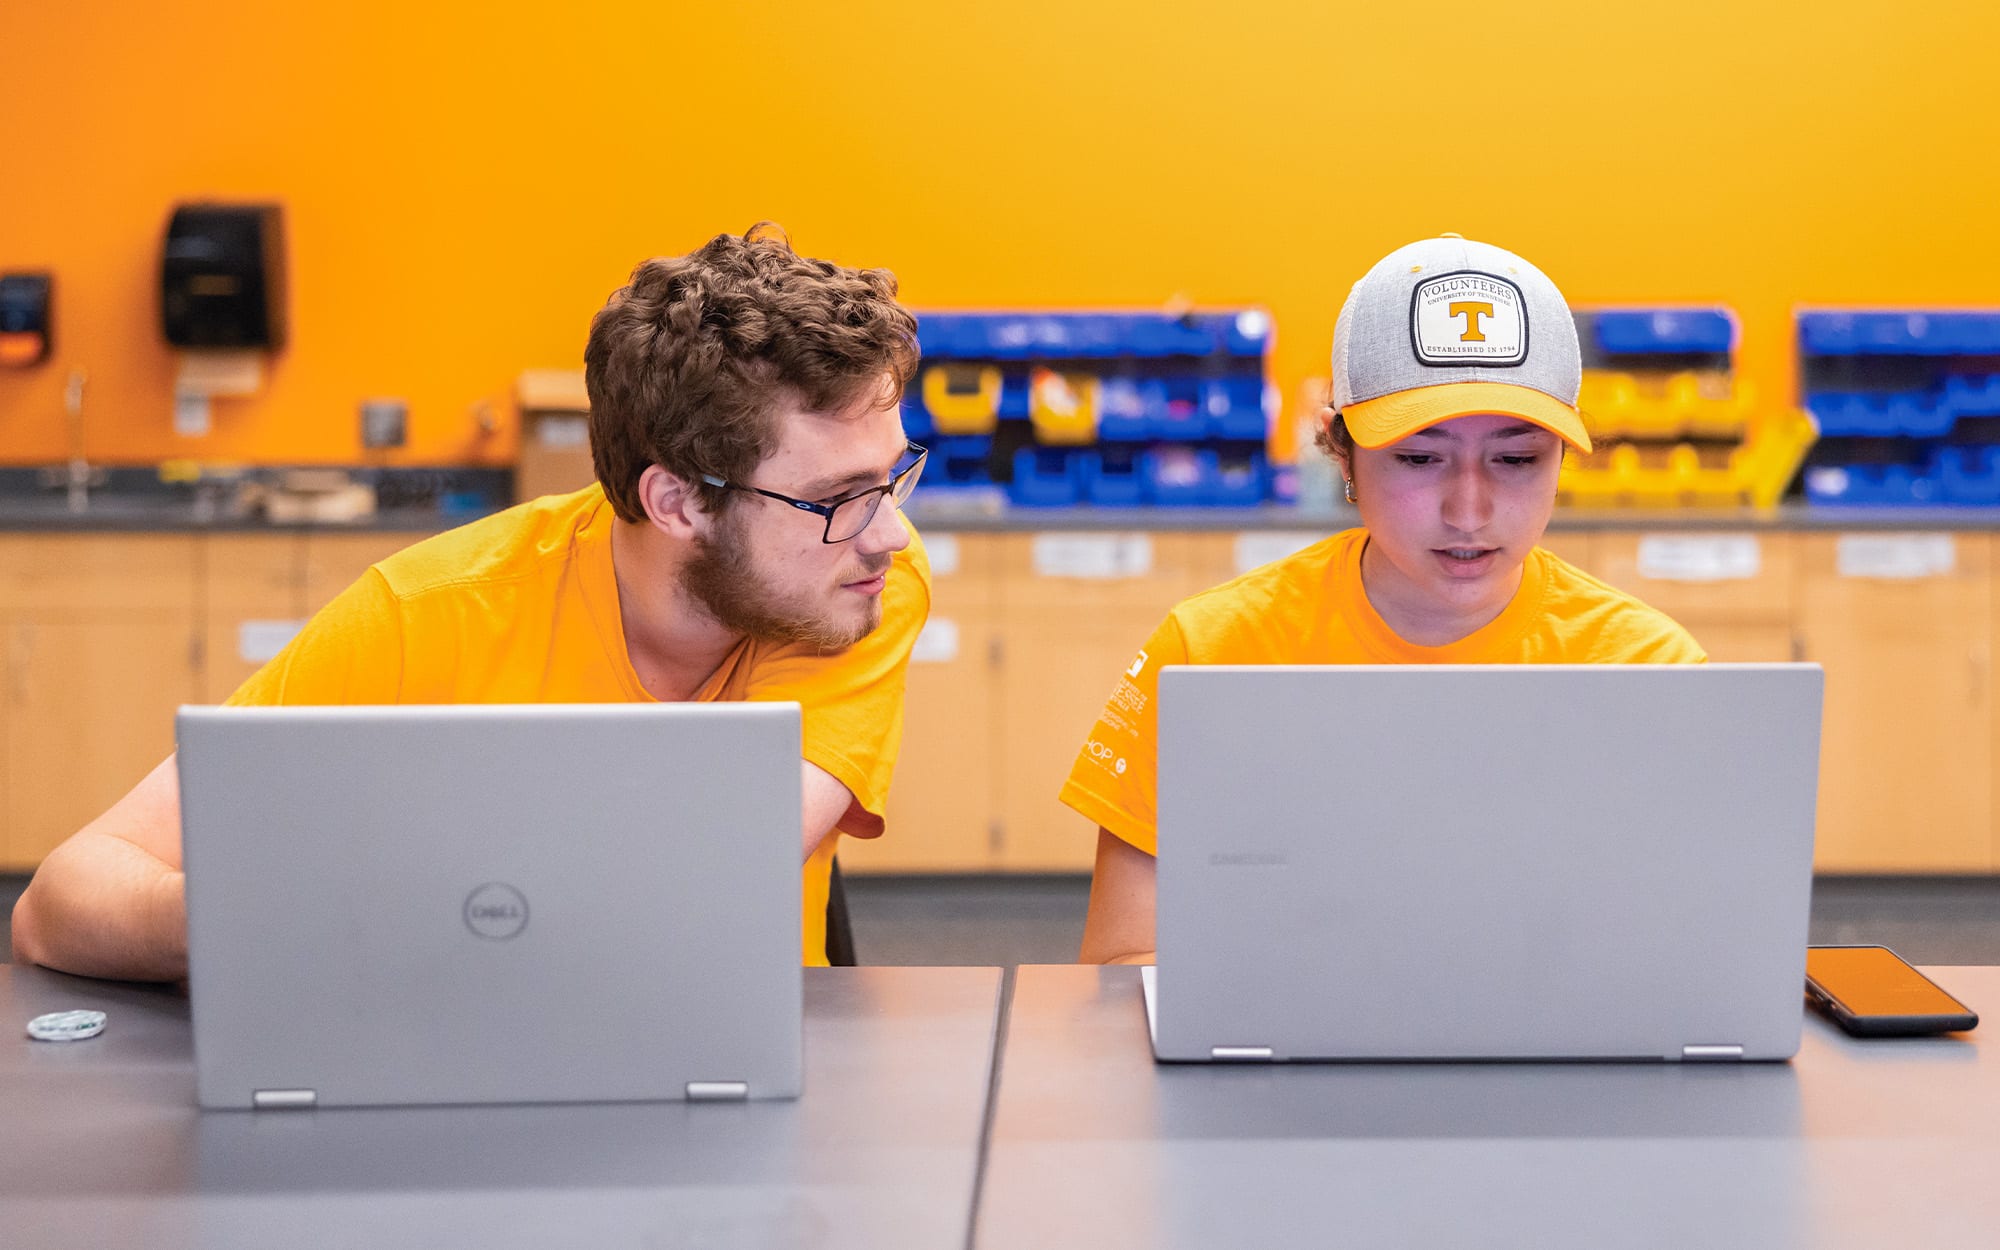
<point>885,531</point>
<point>1468,497</point>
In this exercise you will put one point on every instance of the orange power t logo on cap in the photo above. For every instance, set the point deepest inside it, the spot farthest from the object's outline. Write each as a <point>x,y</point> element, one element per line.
<point>1472,312</point>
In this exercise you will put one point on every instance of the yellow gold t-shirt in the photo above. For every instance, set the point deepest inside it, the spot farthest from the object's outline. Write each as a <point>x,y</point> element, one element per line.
<point>1309,608</point>
<point>522,607</point>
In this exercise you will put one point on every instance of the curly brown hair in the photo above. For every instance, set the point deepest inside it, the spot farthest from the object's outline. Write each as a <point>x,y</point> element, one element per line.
<point>689,362</point>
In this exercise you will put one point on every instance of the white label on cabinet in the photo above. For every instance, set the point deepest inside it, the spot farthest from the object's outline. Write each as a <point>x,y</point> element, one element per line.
<point>1097,556</point>
<point>943,551</point>
<point>259,641</point>
<point>1255,548</point>
<point>1700,557</point>
<point>937,643</point>
<point>1898,556</point>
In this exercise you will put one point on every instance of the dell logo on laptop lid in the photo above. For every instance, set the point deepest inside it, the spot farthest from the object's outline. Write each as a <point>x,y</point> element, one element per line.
<point>496,910</point>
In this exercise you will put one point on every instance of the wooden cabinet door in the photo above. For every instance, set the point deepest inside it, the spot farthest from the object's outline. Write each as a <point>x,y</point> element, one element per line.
<point>99,635</point>
<point>253,600</point>
<point>1903,624</point>
<point>941,806</point>
<point>1735,592</point>
<point>1074,608</point>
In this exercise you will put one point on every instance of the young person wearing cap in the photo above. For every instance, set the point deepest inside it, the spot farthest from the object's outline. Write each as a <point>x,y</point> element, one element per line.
<point>744,541</point>
<point>1455,377</point>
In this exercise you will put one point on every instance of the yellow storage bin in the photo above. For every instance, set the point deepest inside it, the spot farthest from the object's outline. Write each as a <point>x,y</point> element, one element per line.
<point>1063,407</point>
<point>1679,475</point>
<point>963,398</point>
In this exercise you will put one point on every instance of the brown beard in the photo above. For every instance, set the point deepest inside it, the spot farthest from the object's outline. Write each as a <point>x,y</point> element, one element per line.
<point>723,580</point>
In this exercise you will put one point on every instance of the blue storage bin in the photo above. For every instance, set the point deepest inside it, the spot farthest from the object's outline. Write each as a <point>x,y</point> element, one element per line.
<point>1179,476</point>
<point>1246,334</point>
<point>1114,477</point>
<point>1155,335</point>
<point>1121,411</point>
<point>1876,416</point>
<point>1921,414</point>
<point>1046,477</point>
<point>1235,408</point>
<point>1890,334</point>
<point>1875,485</point>
<point>1968,475</point>
<point>1837,413</point>
<point>1239,481</point>
<point>1636,332</point>
<point>1973,395</point>
<point>1833,484</point>
<point>959,461</point>
<point>1174,408</point>
<point>1911,414</point>
<point>1827,334</point>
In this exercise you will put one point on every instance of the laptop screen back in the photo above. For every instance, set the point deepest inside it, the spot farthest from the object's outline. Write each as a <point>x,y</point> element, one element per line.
<point>492,903</point>
<point>1485,862</point>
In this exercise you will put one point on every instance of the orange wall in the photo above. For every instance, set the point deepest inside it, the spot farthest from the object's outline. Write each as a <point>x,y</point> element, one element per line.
<point>465,183</point>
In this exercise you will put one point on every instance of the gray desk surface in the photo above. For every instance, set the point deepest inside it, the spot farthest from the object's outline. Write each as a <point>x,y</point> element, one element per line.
<point>101,1144</point>
<point>1863,1144</point>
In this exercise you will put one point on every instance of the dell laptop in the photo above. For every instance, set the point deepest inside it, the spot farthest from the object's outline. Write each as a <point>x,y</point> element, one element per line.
<point>1515,862</point>
<point>474,904</point>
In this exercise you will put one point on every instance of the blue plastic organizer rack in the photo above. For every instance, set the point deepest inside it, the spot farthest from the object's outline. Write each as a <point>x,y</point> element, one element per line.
<point>1904,401</point>
<point>1182,411</point>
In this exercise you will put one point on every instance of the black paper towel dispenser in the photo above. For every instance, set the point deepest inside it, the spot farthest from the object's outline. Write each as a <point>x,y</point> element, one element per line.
<point>222,276</point>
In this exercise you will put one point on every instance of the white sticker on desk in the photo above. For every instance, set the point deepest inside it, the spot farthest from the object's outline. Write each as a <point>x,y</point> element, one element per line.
<point>1700,557</point>
<point>259,641</point>
<point>1257,548</point>
<point>943,551</point>
<point>1096,556</point>
<point>937,643</point>
<point>1895,556</point>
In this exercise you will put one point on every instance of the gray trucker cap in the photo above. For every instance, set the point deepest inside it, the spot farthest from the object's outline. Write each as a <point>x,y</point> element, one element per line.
<point>1446,328</point>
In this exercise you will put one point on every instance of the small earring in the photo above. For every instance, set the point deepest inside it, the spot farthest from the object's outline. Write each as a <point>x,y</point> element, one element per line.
<point>1348,482</point>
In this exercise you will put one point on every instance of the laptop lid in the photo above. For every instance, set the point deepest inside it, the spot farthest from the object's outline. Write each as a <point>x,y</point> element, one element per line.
<point>1485,862</point>
<point>550,903</point>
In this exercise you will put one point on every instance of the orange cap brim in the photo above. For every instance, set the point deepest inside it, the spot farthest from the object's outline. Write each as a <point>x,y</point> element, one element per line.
<point>1379,422</point>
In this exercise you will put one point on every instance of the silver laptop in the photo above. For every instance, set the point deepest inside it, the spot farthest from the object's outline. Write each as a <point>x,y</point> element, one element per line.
<point>556,903</point>
<point>1473,862</point>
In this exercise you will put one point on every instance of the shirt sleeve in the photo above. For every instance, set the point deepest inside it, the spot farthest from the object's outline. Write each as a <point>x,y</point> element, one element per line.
<point>1114,779</point>
<point>851,701</point>
<point>351,652</point>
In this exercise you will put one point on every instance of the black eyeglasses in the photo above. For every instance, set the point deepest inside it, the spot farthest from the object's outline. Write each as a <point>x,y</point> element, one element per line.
<point>848,515</point>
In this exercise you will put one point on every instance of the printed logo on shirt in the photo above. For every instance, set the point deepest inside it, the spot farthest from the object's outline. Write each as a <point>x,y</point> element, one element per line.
<point>1136,665</point>
<point>1469,319</point>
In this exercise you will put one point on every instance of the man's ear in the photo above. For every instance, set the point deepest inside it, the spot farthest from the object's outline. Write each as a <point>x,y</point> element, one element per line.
<point>673,504</point>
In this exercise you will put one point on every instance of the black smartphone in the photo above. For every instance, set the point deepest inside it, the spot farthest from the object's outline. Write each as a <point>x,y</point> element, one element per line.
<point>1870,992</point>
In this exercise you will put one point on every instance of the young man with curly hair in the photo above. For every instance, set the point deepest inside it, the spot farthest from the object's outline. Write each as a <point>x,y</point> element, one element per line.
<point>744,540</point>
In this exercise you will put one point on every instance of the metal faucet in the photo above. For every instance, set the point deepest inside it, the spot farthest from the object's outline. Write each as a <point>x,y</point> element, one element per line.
<point>77,477</point>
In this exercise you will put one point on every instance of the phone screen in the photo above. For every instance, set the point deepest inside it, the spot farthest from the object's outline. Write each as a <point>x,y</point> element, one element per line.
<point>1872,981</point>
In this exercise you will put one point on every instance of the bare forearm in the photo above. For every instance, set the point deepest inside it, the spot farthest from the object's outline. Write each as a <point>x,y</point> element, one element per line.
<point>101,906</point>
<point>1118,927</point>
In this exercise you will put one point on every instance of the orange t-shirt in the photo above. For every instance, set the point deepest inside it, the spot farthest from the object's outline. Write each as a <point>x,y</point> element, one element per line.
<point>522,607</point>
<point>1309,608</point>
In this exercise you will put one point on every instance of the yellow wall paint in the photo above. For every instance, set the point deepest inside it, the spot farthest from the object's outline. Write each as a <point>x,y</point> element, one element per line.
<point>465,183</point>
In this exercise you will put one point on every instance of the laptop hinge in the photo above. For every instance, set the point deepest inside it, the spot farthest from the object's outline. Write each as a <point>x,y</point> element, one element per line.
<point>1711,1052</point>
<point>718,1091</point>
<point>1240,1054</point>
<point>284,1097</point>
